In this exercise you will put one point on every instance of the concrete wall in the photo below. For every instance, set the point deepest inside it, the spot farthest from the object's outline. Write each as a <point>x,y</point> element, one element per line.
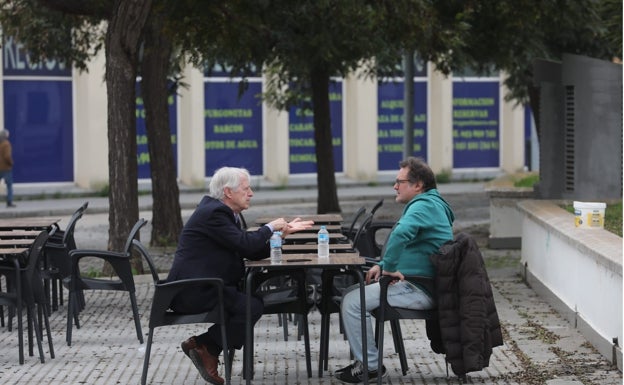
<point>580,125</point>
<point>579,270</point>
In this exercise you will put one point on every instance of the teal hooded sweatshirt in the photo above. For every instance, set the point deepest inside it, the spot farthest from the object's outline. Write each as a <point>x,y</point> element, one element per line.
<point>425,225</point>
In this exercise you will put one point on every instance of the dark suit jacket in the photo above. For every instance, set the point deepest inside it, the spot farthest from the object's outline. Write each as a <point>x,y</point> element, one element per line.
<point>212,245</point>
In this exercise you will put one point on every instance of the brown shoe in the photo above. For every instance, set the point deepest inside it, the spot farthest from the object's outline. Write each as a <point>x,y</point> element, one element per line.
<point>206,364</point>
<point>189,344</point>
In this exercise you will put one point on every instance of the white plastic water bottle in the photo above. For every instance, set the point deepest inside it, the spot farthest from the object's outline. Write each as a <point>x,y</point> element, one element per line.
<point>276,247</point>
<point>323,243</point>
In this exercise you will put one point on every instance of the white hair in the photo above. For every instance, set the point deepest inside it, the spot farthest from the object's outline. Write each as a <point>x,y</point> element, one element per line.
<point>226,177</point>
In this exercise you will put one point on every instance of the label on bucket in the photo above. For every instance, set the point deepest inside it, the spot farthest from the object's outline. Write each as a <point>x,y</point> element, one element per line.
<point>589,214</point>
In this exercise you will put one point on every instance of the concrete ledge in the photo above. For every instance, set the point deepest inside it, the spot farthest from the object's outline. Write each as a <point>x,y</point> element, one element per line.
<point>505,220</point>
<point>578,270</point>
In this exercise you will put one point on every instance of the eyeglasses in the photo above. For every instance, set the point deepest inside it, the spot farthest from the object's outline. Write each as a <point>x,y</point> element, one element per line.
<point>399,181</point>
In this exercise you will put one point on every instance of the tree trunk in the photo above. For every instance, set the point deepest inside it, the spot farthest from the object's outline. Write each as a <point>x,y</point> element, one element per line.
<point>166,214</point>
<point>122,38</point>
<point>327,201</point>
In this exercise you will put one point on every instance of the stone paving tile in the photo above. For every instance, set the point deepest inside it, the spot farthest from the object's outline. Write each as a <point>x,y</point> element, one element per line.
<point>105,350</point>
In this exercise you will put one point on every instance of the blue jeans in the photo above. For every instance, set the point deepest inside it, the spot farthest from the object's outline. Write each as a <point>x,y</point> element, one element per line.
<point>8,179</point>
<point>401,294</point>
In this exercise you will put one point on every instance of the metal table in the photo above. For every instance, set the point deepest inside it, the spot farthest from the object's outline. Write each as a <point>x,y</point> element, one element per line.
<point>347,261</point>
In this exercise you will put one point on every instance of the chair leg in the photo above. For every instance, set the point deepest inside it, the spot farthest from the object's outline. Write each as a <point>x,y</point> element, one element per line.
<point>399,346</point>
<point>306,337</point>
<point>55,289</point>
<point>299,327</point>
<point>20,332</point>
<point>284,321</point>
<point>48,330</point>
<point>231,357</point>
<point>33,326</point>
<point>44,320</point>
<point>72,315</point>
<point>137,319</point>
<point>227,355</point>
<point>379,327</point>
<point>323,349</point>
<point>60,293</point>
<point>148,350</point>
<point>29,323</point>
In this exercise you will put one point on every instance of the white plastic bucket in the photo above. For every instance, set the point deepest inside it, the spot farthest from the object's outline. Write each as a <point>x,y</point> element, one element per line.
<point>589,215</point>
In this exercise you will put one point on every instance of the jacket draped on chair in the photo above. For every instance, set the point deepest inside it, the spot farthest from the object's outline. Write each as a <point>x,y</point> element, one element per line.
<point>468,326</point>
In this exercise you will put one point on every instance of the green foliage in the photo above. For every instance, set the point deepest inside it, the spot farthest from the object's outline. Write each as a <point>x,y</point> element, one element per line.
<point>527,181</point>
<point>48,32</point>
<point>104,191</point>
<point>509,35</point>
<point>93,273</point>
<point>613,218</point>
<point>444,176</point>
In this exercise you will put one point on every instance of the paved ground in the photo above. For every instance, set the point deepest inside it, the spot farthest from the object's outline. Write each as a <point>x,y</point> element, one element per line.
<point>540,346</point>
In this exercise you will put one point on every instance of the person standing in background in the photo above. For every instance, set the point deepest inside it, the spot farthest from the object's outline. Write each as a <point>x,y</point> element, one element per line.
<point>6,165</point>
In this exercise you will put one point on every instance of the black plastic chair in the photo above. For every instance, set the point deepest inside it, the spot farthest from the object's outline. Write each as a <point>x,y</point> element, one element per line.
<point>58,263</point>
<point>349,231</point>
<point>162,315</point>
<point>385,312</point>
<point>290,297</point>
<point>377,206</point>
<point>25,289</point>
<point>120,262</point>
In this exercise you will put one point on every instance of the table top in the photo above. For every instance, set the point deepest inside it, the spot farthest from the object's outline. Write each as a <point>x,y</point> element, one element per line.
<point>12,250</point>
<point>8,234</point>
<point>311,237</point>
<point>7,243</point>
<point>16,249</point>
<point>318,219</point>
<point>312,247</point>
<point>313,229</point>
<point>28,223</point>
<point>310,260</point>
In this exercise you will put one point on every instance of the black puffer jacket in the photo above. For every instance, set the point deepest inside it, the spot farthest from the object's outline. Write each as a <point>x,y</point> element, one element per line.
<point>468,322</point>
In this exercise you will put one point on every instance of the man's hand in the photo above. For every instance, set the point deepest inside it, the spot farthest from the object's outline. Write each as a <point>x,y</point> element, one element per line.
<point>395,274</point>
<point>279,224</point>
<point>373,274</point>
<point>296,225</point>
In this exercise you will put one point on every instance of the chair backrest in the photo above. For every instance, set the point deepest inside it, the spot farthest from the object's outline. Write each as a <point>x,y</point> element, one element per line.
<point>133,233</point>
<point>35,251</point>
<point>377,206</point>
<point>383,249</point>
<point>358,238</point>
<point>68,235</point>
<point>356,216</point>
<point>33,262</point>
<point>84,206</point>
<point>148,258</point>
<point>243,222</point>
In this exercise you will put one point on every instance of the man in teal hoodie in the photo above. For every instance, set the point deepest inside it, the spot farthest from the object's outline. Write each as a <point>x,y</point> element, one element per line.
<point>426,224</point>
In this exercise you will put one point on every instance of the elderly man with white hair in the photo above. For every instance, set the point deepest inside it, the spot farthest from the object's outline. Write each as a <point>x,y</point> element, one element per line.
<point>213,245</point>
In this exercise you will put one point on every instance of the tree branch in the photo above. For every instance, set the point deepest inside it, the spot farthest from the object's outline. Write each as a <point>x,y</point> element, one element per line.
<point>93,8</point>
